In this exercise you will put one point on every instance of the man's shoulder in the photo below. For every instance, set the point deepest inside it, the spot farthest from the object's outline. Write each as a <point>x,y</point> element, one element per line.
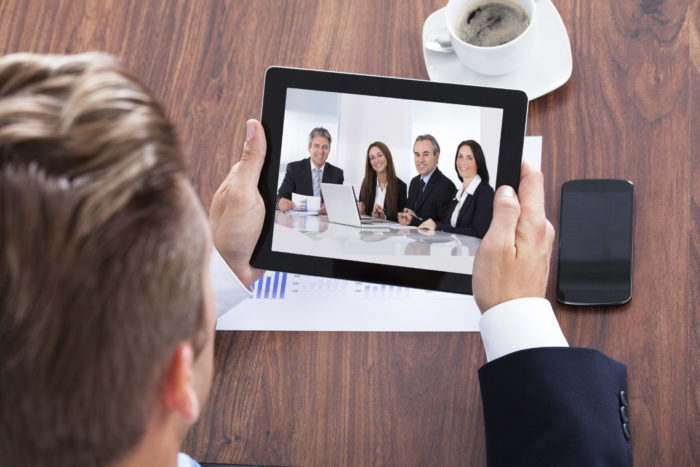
<point>300,163</point>
<point>442,179</point>
<point>332,168</point>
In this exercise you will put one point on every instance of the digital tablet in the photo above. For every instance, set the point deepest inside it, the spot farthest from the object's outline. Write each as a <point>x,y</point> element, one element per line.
<point>396,142</point>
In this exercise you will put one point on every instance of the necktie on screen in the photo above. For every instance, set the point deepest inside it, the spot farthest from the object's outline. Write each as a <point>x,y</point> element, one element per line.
<point>317,182</point>
<point>421,185</point>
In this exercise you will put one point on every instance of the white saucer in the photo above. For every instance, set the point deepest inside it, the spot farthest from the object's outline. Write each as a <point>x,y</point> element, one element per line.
<point>548,67</point>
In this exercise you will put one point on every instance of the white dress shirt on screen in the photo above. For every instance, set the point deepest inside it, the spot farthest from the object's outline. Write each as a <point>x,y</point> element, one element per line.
<point>462,196</point>
<point>379,196</point>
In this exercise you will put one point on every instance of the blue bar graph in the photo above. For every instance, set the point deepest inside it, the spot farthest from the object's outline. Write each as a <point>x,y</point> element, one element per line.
<point>274,285</point>
<point>270,286</point>
<point>267,287</point>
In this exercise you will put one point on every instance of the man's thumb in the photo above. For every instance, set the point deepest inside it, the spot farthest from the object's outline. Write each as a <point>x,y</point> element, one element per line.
<point>506,211</point>
<point>251,162</point>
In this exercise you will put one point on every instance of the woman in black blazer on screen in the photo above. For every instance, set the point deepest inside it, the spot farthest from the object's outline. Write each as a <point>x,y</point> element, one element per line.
<point>471,211</point>
<point>382,194</point>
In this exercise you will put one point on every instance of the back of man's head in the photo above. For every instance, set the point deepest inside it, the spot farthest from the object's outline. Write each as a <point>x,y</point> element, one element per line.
<point>100,270</point>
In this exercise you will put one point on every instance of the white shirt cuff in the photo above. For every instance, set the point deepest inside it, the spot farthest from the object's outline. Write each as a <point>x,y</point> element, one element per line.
<point>228,289</point>
<point>523,323</point>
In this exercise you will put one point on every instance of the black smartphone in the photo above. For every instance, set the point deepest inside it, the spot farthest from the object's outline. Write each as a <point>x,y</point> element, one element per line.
<point>595,242</point>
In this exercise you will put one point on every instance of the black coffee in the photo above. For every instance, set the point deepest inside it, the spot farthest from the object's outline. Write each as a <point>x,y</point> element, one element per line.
<point>491,23</point>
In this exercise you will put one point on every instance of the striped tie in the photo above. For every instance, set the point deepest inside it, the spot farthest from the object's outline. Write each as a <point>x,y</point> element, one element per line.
<point>317,182</point>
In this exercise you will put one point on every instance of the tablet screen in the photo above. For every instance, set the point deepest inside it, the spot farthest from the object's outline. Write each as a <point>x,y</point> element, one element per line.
<point>423,159</point>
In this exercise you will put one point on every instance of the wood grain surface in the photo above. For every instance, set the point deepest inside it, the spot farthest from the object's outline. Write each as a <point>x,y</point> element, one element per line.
<point>631,110</point>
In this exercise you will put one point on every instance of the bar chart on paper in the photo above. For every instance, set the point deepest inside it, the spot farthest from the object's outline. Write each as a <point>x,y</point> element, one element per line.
<point>281,285</point>
<point>294,302</point>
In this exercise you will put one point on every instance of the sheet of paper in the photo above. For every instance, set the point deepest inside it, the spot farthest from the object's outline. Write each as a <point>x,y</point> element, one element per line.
<point>532,150</point>
<point>306,203</point>
<point>294,302</point>
<point>399,226</point>
<point>302,213</point>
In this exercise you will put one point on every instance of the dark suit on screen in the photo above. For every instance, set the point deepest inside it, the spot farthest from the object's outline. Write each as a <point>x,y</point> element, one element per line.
<point>297,178</point>
<point>433,201</point>
<point>401,200</point>
<point>475,215</point>
<point>556,406</point>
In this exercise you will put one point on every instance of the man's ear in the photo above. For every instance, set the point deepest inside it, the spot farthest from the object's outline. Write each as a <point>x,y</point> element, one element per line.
<point>177,388</point>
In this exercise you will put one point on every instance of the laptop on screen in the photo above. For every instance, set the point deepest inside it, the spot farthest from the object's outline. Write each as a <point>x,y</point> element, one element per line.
<point>341,206</point>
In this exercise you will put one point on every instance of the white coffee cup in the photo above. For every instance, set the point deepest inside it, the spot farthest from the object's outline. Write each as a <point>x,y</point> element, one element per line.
<point>499,59</point>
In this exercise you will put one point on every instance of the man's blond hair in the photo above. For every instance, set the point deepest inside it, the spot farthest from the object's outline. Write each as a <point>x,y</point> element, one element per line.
<point>100,259</point>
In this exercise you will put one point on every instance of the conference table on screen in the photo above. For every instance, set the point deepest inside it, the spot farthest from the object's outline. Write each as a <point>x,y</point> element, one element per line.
<point>387,243</point>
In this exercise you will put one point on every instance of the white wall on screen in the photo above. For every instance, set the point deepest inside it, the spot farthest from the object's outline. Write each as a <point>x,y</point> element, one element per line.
<point>304,111</point>
<point>490,141</point>
<point>364,120</point>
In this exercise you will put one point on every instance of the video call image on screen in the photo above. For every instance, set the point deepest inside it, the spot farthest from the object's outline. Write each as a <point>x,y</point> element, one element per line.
<point>354,122</point>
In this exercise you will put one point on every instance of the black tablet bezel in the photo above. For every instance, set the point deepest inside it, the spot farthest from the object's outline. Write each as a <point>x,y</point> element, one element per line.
<point>278,79</point>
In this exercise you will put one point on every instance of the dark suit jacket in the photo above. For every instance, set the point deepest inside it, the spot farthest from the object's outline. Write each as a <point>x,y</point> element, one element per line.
<point>434,200</point>
<point>555,406</point>
<point>401,198</point>
<point>297,178</point>
<point>475,215</point>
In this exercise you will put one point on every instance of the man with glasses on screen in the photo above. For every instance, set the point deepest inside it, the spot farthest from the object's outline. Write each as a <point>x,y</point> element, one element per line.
<point>430,192</point>
<point>304,177</point>
<point>107,300</point>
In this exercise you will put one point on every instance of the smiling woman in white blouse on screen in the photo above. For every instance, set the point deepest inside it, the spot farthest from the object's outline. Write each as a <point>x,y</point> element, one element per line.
<point>382,193</point>
<point>471,211</point>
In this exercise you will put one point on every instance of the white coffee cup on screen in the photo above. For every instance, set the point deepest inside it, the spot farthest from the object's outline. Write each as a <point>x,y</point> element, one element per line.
<point>492,37</point>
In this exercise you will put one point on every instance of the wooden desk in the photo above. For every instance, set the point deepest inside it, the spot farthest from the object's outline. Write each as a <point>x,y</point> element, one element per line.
<point>631,110</point>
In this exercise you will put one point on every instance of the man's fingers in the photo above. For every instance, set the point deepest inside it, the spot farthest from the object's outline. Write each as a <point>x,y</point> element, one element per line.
<point>531,193</point>
<point>506,211</point>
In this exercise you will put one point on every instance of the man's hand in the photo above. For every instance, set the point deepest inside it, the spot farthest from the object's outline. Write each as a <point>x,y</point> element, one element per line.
<point>322,210</point>
<point>513,258</point>
<point>428,225</point>
<point>405,216</point>
<point>285,205</point>
<point>237,210</point>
